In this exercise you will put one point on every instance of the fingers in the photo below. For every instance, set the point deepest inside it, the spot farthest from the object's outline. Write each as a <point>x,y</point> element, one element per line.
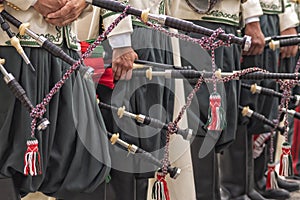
<point>287,52</point>
<point>255,49</point>
<point>44,7</point>
<point>290,51</point>
<point>258,40</point>
<point>67,14</point>
<point>123,60</point>
<point>120,68</point>
<point>124,75</point>
<point>118,72</point>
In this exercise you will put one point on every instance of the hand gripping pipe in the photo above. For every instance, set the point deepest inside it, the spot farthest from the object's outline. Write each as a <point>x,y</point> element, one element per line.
<point>171,22</point>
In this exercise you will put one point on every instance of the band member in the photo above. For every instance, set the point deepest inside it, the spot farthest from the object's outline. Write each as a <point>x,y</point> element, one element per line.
<point>131,40</point>
<point>65,145</point>
<point>271,24</point>
<point>223,14</point>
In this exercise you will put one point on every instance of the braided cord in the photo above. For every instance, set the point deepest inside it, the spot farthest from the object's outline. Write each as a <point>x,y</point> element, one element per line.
<point>40,109</point>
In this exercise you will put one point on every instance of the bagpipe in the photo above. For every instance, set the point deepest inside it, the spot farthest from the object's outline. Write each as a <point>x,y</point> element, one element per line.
<point>14,41</point>
<point>32,158</point>
<point>295,99</point>
<point>256,89</point>
<point>245,42</point>
<point>174,172</point>
<point>171,22</point>
<point>24,28</point>
<point>187,134</point>
<point>275,42</point>
<point>20,94</point>
<point>247,112</point>
<point>246,74</point>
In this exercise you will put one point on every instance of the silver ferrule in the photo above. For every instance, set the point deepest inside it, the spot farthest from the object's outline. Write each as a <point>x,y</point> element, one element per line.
<point>156,73</point>
<point>258,89</point>
<point>129,114</point>
<point>132,149</point>
<point>39,39</point>
<point>250,112</point>
<point>225,74</point>
<point>25,58</point>
<point>8,78</point>
<point>247,44</point>
<point>43,125</point>
<point>268,39</point>
<point>159,18</point>
<point>277,44</point>
<point>178,171</point>
<point>3,70</point>
<point>140,118</point>
<point>168,73</point>
<point>122,143</point>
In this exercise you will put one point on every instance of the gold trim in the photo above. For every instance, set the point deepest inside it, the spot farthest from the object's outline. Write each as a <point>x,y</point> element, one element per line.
<point>245,111</point>
<point>2,61</point>
<point>23,28</point>
<point>114,138</point>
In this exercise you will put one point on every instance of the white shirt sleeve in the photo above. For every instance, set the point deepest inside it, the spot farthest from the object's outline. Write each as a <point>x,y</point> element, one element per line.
<point>120,40</point>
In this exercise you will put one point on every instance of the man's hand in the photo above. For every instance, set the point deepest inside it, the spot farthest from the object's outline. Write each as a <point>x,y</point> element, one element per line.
<point>122,62</point>
<point>44,7</point>
<point>289,51</point>
<point>257,39</point>
<point>66,14</point>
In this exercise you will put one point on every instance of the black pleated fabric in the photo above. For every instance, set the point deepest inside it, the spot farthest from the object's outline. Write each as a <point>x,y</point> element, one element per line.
<point>262,104</point>
<point>228,60</point>
<point>74,147</point>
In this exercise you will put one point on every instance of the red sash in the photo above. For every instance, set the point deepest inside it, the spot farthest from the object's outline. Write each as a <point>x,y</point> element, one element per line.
<point>101,75</point>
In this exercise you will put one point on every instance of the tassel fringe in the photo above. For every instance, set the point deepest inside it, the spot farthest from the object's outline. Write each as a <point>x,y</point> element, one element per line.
<point>32,158</point>
<point>271,177</point>
<point>216,119</point>
<point>286,162</point>
<point>160,189</point>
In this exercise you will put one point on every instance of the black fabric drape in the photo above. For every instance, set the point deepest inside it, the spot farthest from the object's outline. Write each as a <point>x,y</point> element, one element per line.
<point>74,149</point>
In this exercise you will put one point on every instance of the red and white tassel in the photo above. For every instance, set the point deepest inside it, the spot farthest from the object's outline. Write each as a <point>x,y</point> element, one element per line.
<point>32,158</point>
<point>160,189</point>
<point>286,162</point>
<point>271,177</point>
<point>216,119</point>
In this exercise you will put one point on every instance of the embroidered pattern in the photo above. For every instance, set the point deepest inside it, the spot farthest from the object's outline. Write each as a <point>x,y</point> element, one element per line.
<point>271,8</point>
<point>218,13</point>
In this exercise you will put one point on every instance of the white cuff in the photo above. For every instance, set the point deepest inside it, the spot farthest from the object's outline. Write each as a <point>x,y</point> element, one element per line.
<point>251,8</point>
<point>251,19</point>
<point>120,40</point>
